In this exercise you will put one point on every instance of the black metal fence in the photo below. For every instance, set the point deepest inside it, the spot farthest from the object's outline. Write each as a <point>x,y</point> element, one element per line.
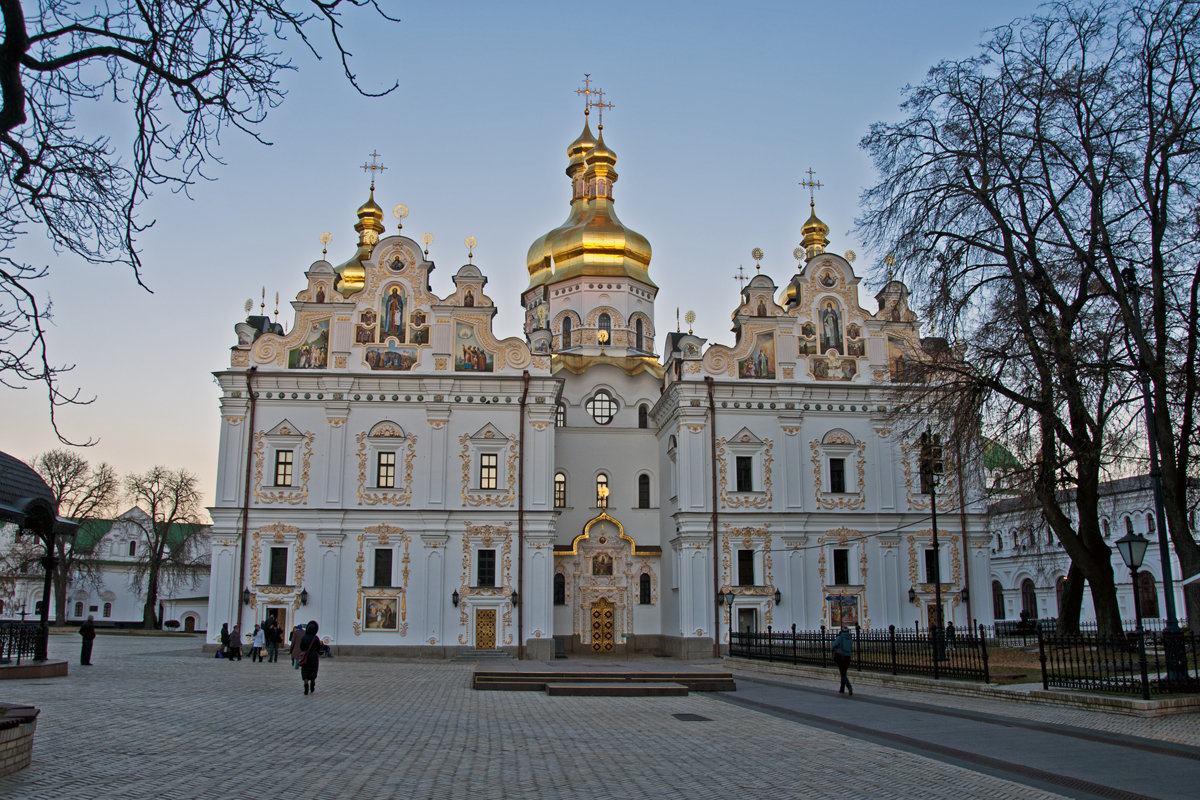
<point>1024,633</point>
<point>1141,664</point>
<point>898,651</point>
<point>19,640</point>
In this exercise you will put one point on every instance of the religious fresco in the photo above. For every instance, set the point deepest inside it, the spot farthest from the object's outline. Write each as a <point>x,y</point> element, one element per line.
<point>380,614</point>
<point>396,359</point>
<point>469,355</point>
<point>396,264</point>
<point>314,352</point>
<point>831,328</point>
<point>855,344</point>
<point>420,329</point>
<point>602,564</point>
<point>843,610</point>
<point>761,361</point>
<point>832,368</point>
<point>391,319</point>
<point>900,357</point>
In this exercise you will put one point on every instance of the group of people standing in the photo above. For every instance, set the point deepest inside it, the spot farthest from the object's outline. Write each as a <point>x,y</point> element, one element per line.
<point>306,647</point>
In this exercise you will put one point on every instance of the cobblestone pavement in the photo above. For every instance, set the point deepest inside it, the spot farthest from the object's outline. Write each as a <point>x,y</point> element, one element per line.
<point>154,718</point>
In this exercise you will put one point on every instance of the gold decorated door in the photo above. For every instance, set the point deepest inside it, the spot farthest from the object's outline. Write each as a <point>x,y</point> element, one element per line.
<point>485,629</point>
<point>603,626</point>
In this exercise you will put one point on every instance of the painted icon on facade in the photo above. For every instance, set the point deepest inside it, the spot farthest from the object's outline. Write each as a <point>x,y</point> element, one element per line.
<point>391,357</point>
<point>469,356</point>
<point>831,328</point>
<point>761,361</point>
<point>314,352</point>
<point>380,614</point>
<point>843,610</point>
<point>391,321</point>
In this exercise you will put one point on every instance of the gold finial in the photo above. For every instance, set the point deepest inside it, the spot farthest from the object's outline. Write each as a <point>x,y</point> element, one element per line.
<point>470,242</point>
<point>757,255</point>
<point>678,327</point>
<point>587,91</point>
<point>400,212</point>
<point>277,306</point>
<point>890,260</point>
<point>798,253</point>
<point>689,318</point>
<point>427,239</point>
<point>600,104</point>
<point>740,277</point>
<point>326,238</point>
<point>373,167</point>
<point>811,184</point>
<point>851,255</point>
<point>602,338</point>
<point>262,306</point>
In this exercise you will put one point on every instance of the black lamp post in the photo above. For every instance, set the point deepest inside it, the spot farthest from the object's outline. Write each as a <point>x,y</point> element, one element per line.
<point>1172,636</point>
<point>729,605</point>
<point>930,469</point>
<point>1132,547</point>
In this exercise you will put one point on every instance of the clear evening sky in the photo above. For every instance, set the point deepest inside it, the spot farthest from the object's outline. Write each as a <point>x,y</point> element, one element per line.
<point>719,111</point>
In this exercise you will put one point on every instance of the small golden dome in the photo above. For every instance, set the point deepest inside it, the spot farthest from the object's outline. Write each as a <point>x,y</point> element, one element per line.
<point>816,236</point>
<point>352,275</point>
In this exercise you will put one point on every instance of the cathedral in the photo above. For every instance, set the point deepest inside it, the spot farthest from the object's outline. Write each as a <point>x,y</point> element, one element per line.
<point>619,489</point>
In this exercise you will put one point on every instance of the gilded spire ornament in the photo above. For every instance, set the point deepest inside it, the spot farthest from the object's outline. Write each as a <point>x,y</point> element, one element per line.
<point>373,167</point>
<point>587,91</point>
<point>757,255</point>
<point>740,277</point>
<point>400,212</point>
<point>326,238</point>
<point>600,104</point>
<point>815,232</point>
<point>470,242</point>
<point>811,184</point>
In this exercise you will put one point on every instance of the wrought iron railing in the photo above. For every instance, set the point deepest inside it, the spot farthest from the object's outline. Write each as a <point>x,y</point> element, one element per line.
<point>898,651</point>
<point>1142,664</point>
<point>19,640</point>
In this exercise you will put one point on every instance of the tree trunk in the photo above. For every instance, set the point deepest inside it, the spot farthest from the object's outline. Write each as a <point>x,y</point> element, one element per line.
<point>1072,601</point>
<point>60,594</point>
<point>150,609</point>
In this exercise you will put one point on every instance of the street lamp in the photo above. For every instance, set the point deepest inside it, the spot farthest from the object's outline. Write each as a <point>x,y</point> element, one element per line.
<point>454,598</point>
<point>930,470</point>
<point>304,597</point>
<point>1132,547</point>
<point>729,606</point>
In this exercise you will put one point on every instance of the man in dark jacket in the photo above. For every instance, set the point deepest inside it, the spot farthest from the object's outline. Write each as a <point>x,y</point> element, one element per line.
<point>88,631</point>
<point>842,649</point>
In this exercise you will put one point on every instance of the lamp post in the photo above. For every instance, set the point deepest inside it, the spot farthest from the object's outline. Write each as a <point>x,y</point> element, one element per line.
<point>729,606</point>
<point>1132,547</point>
<point>930,469</point>
<point>1172,636</point>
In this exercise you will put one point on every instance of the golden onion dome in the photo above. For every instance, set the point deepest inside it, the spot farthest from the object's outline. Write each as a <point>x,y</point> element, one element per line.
<point>352,275</point>
<point>579,148</point>
<point>789,295</point>
<point>816,236</point>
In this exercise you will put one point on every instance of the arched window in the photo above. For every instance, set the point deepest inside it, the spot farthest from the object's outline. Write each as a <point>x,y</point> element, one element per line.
<point>644,589</point>
<point>999,543</point>
<point>643,491</point>
<point>566,333</point>
<point>643,416</point>
<point>601,491</point>
<point>604,323</point>
<point>560,416</point>
<point>997,600</point>
<point>560,589</point>
<point>639,336</point>
<point>107,610</point>
<point>1028,600</point>
<point>1107,530</point>
<point>79,609</point>
<point>1148,594</point>
<point>1150,525</point>
<point>1129,526</point>
<point>560,490</point>
<point>133,548</point>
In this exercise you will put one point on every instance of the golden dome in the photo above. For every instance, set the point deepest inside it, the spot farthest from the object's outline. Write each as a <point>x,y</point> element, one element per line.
<point>351,275</point>
<point>593,241</point>
<point>815,236</point>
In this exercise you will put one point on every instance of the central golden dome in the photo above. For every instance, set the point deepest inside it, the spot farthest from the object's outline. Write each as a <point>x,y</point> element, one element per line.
<point>592,241</point>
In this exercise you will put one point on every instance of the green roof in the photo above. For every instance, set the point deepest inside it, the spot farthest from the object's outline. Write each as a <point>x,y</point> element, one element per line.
<point>93,530</point>
<point>997,457</point>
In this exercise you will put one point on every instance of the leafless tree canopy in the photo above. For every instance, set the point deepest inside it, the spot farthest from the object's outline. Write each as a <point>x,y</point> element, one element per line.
<point>1020,189</point>
<point>186,71</point>
<point>172,502</point>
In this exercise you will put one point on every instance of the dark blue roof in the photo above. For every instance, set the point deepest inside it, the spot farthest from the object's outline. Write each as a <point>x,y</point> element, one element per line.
<point>24,496</point>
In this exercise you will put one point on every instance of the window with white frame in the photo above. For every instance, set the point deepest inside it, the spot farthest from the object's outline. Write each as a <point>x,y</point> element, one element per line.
<point>383,567</point>
<point>489,471</point>
<point>602,407</point>
<point>560,490</point>
<point>485,568</point>
<point>745,568</point>
<point>841,566</point>
<point>277,566</point>
<point>602,491</point>
<point>385,469</point>
<point>283,467</point>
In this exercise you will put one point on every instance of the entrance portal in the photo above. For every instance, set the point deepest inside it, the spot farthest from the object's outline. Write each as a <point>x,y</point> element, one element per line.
<point>747,619</point>
<point>485,629</point>
<point>603,628</point>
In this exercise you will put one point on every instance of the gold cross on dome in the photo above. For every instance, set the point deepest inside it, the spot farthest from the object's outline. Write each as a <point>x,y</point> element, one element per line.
<point>811,184</point>
<point>740,277</point>
<point>587,91</point>
<point>373,167</point>
<point>600,104</point>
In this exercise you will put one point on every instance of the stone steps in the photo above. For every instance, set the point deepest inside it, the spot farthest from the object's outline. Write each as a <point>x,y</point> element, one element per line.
<point>515,681</point>
<point>629,689</point>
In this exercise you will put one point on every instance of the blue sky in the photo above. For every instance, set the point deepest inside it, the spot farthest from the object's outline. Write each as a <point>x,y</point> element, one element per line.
<point>719,111</point>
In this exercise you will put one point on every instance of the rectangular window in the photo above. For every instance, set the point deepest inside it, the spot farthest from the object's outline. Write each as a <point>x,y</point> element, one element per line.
<point>486,571</point>
<point>931,566</point>
<point>278,571</point>
<point>837,475</point>
<point>744,472</point>
<point>841,567</point>
<point>383,566</point>
<point>488,470</point>
<point>283,467</point>
<point>745,563</point>
<point>385,471</point>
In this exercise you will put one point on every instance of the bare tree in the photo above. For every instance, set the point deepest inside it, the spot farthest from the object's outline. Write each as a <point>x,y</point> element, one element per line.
<point>85,495</point>
<point>188,71</point>
<point>1021,185</point>
<point>172,505</point>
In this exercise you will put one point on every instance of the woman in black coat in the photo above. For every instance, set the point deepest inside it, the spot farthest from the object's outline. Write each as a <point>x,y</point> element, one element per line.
<point>310,657</point>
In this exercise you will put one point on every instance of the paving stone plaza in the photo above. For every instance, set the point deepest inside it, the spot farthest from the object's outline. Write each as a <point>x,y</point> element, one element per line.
<point>156,718</point>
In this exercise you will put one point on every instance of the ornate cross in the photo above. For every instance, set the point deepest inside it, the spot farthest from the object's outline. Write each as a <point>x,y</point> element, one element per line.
<point>587,91</point>
<point>373,167</point>
<point>600,104</point>
<point>811,184</point>
<point>740,277</point>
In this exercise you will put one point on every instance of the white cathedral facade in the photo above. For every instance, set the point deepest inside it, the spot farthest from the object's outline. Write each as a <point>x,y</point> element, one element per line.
<point>391,469</point>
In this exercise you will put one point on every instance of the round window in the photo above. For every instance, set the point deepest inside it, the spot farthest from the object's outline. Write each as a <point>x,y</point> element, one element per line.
<point>602,407</point>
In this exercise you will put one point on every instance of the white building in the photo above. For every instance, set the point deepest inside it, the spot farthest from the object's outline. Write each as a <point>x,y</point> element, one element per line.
<point>1029,566</point>
<point>391,469</point>
<point>110,589</point>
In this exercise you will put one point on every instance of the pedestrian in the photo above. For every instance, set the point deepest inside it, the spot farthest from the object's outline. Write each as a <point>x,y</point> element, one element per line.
<point>310,656</point>
<point>951,634</point>
<point>257,641</point>
<point>273,636</point>
<point>842,648</point>
<point>88,631</point>
<point>294,643</point>
<point>235,643</point>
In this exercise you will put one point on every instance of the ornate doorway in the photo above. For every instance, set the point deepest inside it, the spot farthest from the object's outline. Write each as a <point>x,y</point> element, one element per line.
<point>485,629</point>
<point>603,629</point>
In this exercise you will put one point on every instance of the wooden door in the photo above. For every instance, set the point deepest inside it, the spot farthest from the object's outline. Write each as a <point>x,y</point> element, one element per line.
<point>485,629</point>
<point>603,627</point>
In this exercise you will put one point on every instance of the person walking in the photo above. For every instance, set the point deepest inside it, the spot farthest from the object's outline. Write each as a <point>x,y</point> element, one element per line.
<point>88,631</point>
<point>235,643</point>
<point>842,648</point>
<point>257,642</point>
<point>273,636</point>
<point>310,656</point>
<point>224,651</point>
<point>294,644</point>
